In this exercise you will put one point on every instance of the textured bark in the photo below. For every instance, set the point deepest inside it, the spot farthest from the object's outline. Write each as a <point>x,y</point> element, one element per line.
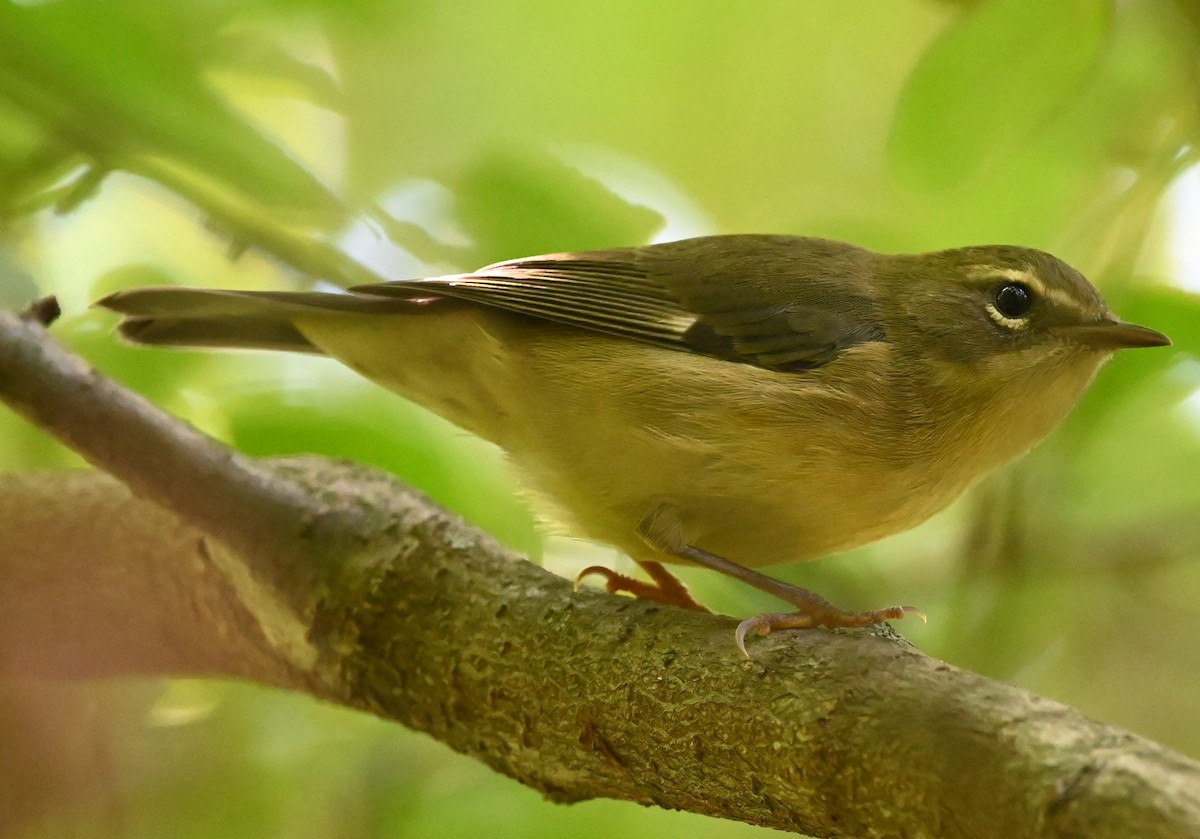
<point>332,579</point>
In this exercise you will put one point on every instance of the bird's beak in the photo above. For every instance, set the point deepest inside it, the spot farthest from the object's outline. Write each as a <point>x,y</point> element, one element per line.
<point>1113,334</point>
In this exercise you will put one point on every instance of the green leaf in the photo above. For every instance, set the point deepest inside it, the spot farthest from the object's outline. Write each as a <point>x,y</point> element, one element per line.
<point>125,83</point>
<point>249,55</point>
<point>523,204</point>
<point>990,83</point>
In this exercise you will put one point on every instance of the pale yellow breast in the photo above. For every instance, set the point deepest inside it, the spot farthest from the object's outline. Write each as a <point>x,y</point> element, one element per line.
<point>762,467</point>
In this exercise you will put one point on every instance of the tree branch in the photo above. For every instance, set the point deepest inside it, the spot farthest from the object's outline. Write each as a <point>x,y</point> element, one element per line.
<point>361,592</point>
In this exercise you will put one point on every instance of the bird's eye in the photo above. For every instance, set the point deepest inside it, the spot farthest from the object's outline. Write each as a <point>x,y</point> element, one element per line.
<point>1014,300</point>
<point>1010,305</point>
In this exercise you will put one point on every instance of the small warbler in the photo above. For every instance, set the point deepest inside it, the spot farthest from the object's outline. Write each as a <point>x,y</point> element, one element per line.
<point>727,401</point>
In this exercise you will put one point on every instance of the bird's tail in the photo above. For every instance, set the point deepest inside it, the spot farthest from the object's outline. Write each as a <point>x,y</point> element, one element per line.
<point>429,349</point>
<point>196,317</point>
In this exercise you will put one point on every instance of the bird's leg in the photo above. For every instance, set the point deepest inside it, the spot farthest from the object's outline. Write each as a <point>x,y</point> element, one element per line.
<point>815,610</point>
<point>661,530</point>
<point>665,588</point>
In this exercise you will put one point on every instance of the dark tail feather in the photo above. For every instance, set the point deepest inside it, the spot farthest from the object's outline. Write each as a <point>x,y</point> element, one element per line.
<point>230,332</point>
<point>198,317</point>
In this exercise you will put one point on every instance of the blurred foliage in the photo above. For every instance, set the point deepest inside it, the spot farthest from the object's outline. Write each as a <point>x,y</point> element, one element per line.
<point>958,99</point>
<point>278,143</point>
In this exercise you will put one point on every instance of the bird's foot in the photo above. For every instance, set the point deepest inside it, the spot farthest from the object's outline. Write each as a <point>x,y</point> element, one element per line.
<point>814,610</point>
<point>817,611</point>
<point>665,588</point>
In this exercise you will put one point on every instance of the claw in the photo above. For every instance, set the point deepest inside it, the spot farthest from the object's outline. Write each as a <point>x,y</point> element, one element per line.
<point>739,636</point>
<point>915,612</point>
<point>762,625</point>
<point>611,578</point>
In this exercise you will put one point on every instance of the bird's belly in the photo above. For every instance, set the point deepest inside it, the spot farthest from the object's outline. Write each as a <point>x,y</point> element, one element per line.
<point>805,524</point>
<point>757,490</point>
<point>746,516</point>
<point>605,432</point>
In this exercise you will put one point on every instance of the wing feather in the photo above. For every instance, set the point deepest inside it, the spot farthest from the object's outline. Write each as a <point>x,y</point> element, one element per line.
<point>782,302</point>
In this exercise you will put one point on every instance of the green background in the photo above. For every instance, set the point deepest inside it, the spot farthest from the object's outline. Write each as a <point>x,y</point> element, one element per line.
<point>205,143</point>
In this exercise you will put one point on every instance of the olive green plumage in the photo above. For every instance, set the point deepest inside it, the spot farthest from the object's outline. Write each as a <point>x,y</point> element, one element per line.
<point>763,398</point>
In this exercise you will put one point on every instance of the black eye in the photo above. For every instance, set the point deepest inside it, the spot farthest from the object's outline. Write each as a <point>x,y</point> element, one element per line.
<point>1014,300</point>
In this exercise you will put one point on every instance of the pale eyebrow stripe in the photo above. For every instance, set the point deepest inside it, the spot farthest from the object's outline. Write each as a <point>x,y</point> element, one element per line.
<point>1029,278</point>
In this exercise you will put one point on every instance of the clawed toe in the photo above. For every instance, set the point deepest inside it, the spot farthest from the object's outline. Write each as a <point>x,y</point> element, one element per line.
<point>763,624</point>
<point>829,616</point>
<point>612,580</point>
<point>665,588</point>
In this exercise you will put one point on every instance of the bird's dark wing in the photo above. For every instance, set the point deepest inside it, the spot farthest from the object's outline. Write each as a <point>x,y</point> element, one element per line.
<point>780,302</point>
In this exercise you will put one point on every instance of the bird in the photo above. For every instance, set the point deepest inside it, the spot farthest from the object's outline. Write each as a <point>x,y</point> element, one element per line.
<point>729,401</point>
